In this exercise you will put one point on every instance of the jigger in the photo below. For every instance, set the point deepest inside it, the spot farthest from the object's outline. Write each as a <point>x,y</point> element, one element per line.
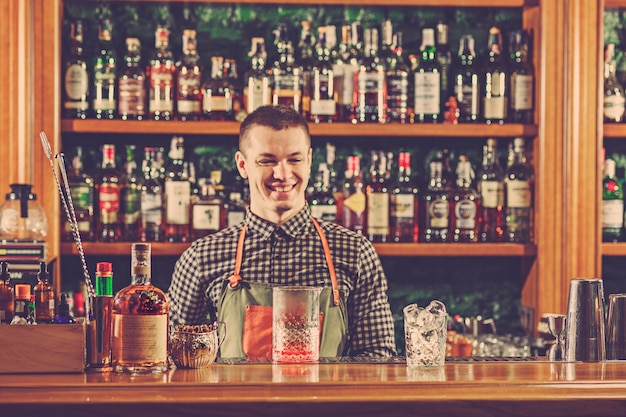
<point>584,325</point>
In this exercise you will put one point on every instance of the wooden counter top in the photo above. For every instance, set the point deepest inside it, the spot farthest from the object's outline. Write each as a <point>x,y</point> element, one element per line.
<point>534,388</point>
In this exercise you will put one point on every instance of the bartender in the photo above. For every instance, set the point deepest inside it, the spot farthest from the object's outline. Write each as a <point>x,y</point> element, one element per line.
<point>279,243</point>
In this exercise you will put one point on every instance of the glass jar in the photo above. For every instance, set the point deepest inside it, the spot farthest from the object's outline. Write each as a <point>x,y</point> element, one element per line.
<point>21,215</point>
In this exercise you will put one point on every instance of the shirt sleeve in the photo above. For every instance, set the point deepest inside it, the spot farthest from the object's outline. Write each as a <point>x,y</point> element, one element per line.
<point>186,294</point>
<point>370,319</point>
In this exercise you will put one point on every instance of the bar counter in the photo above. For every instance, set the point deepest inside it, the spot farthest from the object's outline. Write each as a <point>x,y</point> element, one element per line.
<point>526,388</point>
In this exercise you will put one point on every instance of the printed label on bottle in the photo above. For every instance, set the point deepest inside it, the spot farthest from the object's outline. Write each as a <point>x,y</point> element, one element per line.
<point>257,93</point>
<point>206,217</point>
<point>612,213</point>
<point>323,107</point>
<point>378,214</point>
<point>82,196</point>
<point>492,194</point>
<point>132,205</point>
<point>355,203</point>
<point>495,108</point>
<point>402,206</point>
<point>76,85</point>
<point>132,96</point>
<point>370,82</point>
<point>211,103</point>
<point>518,194</point>
<point>438,213</point>
<point>184,106</point>
<point>109,198</point>
<point>467,95</point>
<point>522,91</point>
<point>465,214</point>
<point>140,339</point>
<point>427,93</point>
<point>104,96</point>
<point>324,212</point>
<point>177,194</point>
<point>614,107</point>
<point>151,205</point>
<point>161,90</point>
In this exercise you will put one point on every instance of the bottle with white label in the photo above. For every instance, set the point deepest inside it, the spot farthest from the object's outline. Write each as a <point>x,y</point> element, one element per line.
<point>427,81</point>
<point>614,100</point>
<point>522,79</point>
<point>208,210</point>
<point>436,204</point>
<point>465,204</point>
<point>140,320</point>
<point>518,191</point>
<point>495,84</point>
<point>177,194</point>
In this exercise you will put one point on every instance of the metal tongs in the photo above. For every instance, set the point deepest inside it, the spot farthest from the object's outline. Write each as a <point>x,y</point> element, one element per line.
<point>68,206</point>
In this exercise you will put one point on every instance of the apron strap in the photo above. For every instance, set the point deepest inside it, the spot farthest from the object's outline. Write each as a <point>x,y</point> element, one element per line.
<point>235,278</point>
<point>329,261</point>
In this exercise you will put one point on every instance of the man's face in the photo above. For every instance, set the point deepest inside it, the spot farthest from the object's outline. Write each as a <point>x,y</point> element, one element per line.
<point>277,165</point>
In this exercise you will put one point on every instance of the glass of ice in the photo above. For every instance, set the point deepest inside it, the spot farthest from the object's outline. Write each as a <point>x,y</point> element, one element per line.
<point>425,331</point>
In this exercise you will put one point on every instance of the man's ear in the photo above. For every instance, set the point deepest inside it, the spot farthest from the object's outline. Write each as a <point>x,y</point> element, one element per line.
<point>240,160</point>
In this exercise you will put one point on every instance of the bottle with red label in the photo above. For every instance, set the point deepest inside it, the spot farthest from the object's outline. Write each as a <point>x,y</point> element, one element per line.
<point>160,74</point>
<point>108,193</point>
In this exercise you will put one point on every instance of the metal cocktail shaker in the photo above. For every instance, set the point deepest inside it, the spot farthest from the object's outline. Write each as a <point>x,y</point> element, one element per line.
<point>585,326</point>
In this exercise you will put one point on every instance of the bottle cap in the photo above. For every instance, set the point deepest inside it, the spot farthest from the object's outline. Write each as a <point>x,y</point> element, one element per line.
<point>22,291</point>
<point>104,268</point>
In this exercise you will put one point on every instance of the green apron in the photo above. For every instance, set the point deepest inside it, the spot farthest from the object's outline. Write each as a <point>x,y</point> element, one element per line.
<point>245,308</point>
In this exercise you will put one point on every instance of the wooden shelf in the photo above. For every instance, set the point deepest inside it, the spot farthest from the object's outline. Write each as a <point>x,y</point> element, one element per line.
<point>383,249</point>
<point>614,249</point>
<point>412,3</point>
<point>614,130</point>
<point>327,129</point>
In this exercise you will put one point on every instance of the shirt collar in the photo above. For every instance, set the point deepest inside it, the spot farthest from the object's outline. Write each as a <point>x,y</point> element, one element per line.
<point>297,225</point>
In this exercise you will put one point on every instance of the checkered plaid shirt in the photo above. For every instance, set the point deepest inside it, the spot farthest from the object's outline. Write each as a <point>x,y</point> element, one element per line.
<point>291,254</point>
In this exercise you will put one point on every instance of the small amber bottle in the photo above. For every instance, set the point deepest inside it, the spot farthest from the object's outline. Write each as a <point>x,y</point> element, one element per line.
<point>6,294</point>
<point>45,302</point>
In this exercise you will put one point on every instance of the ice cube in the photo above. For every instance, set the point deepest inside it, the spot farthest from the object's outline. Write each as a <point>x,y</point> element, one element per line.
<point>437,308</point>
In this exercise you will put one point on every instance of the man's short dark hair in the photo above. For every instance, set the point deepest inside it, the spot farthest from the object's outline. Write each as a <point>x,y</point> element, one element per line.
<point>275,117</point>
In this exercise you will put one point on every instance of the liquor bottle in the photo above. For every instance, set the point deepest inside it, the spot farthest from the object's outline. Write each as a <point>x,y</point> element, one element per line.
<point>108,193</point>
<point>177,194</point>
<point>45,301</point>
<point>465,204</point>
<point>370,86</point>
<point>353,198</point>
<point>398,83</point>
<point>286,75</point>
<point>322,200</point>
<point>518,185</point>
<point>323,107</point>
<point>306,62</point>
<point>495,84</point>
<point>522,79</point>
<point>75,76</point>
<point>217,93</point>
<point>466,82</point>
<point>23,312</point>
<point>427,82</point>
<point>231,75</point>
<point>257,89</point>
<point>132,84</point>
<point>104,279</point>
<point>208,211</point>
<point>436,204</point>
<point>63,313</point>
<point>151,199</point>
<point>104,75</point>
<point>345,65</point>
<point>188,80</point>
<point>404,203</point>
<point>612,204</point>
<point>82,193</point>
<point>614,99</point>
<point>377,204</point>
<point>7,295</point>
<point>491,188</point>
<point>140,320</point>
<point>386,43</point>
<point>443,56</point>
<point>160,74</point>
<point>130,198</point>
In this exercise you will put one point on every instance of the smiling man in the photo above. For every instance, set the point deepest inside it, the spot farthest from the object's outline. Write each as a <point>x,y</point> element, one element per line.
<point>279,243</point>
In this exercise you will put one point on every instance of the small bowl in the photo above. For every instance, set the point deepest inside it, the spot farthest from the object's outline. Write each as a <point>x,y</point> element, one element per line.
<point>191,347</point>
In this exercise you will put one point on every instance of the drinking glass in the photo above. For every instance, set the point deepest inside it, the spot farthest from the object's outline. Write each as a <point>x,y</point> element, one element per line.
<point>425,334</point>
